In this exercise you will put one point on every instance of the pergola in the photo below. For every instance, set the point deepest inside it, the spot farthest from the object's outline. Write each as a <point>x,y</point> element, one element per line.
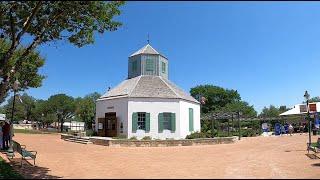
<point>239,117</point>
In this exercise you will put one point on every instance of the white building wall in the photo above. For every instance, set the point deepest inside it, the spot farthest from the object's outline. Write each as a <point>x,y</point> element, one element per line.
<point>184,115</point>
<point>154,107</point>
<point>119,105</point>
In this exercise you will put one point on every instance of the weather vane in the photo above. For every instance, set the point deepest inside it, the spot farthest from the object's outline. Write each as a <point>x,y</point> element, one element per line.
<point>148,40</point>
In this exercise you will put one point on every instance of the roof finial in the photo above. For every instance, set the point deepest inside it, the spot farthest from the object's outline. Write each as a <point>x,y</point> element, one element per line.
<point>148,40</point>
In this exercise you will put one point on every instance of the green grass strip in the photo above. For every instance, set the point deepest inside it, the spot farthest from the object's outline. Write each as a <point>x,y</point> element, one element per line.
<point>6,171</point>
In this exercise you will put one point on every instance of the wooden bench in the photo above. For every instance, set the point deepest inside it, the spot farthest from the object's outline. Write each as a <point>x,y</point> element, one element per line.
<point>315,147</point>
<point>21,149</point>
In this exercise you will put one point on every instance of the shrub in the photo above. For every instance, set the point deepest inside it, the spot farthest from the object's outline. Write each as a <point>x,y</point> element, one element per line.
<point>133,138</point>
<point>95,133</point>
<point>196,135</point>
<point>89,132</point>
<point>146,138</point>
<point>121,136</point>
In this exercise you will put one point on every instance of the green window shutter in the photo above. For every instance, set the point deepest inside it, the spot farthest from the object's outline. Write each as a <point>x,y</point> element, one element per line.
<point>134,122</point>
<point>173,122</point>
<point>160,122</point>
<point>190,119</point>
<point>147,122</point>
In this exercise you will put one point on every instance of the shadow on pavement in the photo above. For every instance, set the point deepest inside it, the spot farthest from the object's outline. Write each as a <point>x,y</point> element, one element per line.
<point>312,156</point>
<point>316,164</point>
<point>27,170</point>
<point>294,150</point>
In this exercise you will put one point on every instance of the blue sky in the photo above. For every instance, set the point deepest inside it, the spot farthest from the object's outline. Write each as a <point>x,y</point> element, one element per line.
<point>268,51</point>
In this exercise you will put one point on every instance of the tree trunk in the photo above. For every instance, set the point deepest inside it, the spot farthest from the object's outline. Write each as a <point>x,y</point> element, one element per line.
<point>61,125</point>
<point>3,90</point>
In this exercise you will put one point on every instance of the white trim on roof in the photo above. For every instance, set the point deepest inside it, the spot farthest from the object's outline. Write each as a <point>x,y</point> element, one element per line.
<point>144,49</point>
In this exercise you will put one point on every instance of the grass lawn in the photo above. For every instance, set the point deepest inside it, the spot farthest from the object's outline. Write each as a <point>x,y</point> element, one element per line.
<point>28,131</point>
<point>6,171</point>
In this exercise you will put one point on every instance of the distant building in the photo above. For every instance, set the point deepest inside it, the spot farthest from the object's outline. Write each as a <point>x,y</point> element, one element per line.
<point>147,103</point>
<point>2,117</point>
<point>299,109</point>
<point>74,126</point>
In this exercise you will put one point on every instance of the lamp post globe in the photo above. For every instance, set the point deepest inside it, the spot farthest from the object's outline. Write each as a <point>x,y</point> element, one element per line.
<point>306,95</point>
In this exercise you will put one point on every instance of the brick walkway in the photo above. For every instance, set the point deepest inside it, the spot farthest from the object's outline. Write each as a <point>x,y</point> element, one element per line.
<point>258,157</point>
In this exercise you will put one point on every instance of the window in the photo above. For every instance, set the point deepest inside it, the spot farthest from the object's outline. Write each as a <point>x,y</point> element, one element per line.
<point>163,67</point>
<point>141,120</point>
<point>167,121</point>
<point>149,64</point>
<point>134,66</point>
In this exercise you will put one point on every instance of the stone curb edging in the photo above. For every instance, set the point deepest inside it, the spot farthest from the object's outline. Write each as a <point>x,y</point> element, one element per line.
<point>158,143</point>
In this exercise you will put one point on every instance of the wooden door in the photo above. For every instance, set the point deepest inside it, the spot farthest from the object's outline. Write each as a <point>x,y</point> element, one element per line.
<point>101,126</point>
<point>111,124</point>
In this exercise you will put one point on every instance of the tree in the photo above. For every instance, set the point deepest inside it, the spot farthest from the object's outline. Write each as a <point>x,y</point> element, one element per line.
<point>62,106</point>
<point>216,97</point>
<point>283,109</point>
<point>243,107</point>
<point>315,99</point>
<point>86,108</point>
<point>23,109</point>
<point>2,110</point>
<point>272,111</point>
<point>40,22</point>
<point>27,73</point>
<point>43,113</point>
<point>28,103</point>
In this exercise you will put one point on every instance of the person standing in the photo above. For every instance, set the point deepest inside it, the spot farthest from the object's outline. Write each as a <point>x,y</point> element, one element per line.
<point>6,135</point>
<point>1,136</point>
<point>290,129</point>
<point>282,130</point>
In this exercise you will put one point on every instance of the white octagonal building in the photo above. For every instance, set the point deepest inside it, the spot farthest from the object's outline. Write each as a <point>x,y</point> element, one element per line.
<point>147,103</point>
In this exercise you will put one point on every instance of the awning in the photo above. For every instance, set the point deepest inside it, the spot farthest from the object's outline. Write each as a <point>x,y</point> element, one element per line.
<point>300,109</point>
<point>294,111</point>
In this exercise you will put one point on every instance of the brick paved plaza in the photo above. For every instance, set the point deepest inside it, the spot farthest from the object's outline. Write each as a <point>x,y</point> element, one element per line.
<point>256,157</point>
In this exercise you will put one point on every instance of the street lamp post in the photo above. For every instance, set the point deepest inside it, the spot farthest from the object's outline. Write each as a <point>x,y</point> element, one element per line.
<point>15,88</point>
<point>307,96</point>
<point>239,114</point>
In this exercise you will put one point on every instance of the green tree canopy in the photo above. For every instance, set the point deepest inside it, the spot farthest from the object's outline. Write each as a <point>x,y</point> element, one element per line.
<point>62,106</point>
<point>315,99</point>
<point>28,24</point>
<point>272,111</point>
<point>242,106</point>
<point>43,113</point>
<point>24,107</point>
<point>86,108</point>
<point>27,73</point>
<point>216,97</point>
